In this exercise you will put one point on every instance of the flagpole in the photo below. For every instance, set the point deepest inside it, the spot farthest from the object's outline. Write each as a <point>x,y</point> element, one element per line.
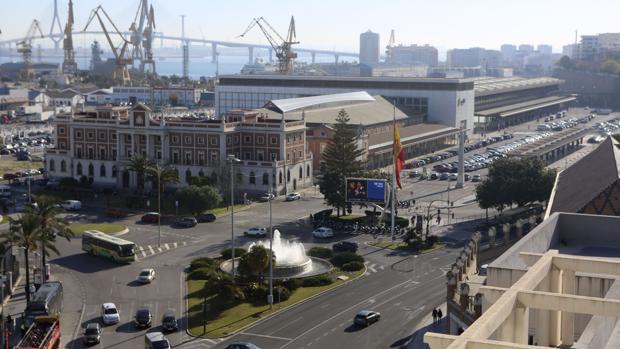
<point>393,171</point>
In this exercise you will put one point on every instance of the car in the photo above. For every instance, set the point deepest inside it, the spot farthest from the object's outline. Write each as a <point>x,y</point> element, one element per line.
<point>92,333</point>
<point>169,322</point>
<point>150,217</point>
<point>323,233</point>
<point>146,276</point>
<point>444,176</point>
<point>71,205</point>
<point>293,197</point>
<point>476,178</point>
<point>414,174</point>
<point>156,340</point>
<point>433,176</point>
<point>109,314</point>
<point>256,232</point>
<point>266,197</point>
<point>345,246</point>
<point>206,218</point>
<point>454,176</point>
<point>242,345</point>
<point>366,317</point>
<point>185,222</point>
<point>467,177</point>
<point>143,317</point>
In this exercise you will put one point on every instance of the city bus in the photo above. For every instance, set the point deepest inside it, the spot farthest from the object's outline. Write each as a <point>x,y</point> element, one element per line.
<point>47,301</point>
<point>104,245</point>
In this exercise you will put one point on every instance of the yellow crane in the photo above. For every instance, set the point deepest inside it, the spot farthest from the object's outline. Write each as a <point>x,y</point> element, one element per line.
<point>121,73</point>
<point>25,48</point>
<point>282,47</point>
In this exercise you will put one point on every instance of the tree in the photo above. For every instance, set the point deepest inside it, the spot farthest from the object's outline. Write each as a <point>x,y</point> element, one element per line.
<point>162,175</point>
<point>24,232</point>
<point>201,181</point>
<point>140,165</point>
<point>255,262</point>
<point>565,63</point>
<point>47,211</point>
<point>610,67</point>
<point>198,199</point>
<point>341,158</point>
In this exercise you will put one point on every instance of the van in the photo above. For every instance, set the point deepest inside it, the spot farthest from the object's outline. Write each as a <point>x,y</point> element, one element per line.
<point>5,191</point>
<point>156,340</point>
<point>71,205</point>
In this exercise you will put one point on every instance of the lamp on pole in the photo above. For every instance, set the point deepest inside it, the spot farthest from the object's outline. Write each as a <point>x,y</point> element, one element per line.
<point>232,160</point>
<point>158,169</point>
<point>270,296</point>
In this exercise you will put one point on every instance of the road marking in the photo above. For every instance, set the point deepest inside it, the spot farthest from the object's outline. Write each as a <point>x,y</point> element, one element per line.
<point>266,336</point>
<point>382,267</point>
<point>159,248</point>
<point>372,268</point>
<point>151,249</point>
<point>143,253</point>
<point>175,245</point>
<point>166,246</point>
<point>141,248</point>
<point>184,243</point>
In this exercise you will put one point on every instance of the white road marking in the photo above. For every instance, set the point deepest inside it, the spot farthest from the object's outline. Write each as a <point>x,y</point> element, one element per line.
<point>166,246</point>
<point>372,268</point>
<point>141,248</point>
<point>266,336</point>
<point>382,267</point>
<point>143,253</point>
<point>151,249</point>
<point>175,245</point>
<point>184,243</point>
<point>159,248</point>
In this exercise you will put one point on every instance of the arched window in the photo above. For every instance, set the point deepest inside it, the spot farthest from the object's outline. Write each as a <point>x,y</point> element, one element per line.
<point>288,176</point>
<point>79,169</point>
<point>280,177</point>
<point>252,178</point>
<point>201,173</point>
<point>188,174</point>
<point>91,170</point>
<point>265,178</point>
<point>63,166</point>
<point>214,177</point>
<point>52,165</point>
<point>114,171</point>
<point>301,172</point>
<point>102,171</point>
<point>308,171</point>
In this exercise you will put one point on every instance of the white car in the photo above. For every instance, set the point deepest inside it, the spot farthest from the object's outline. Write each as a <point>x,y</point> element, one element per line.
<point>256,232</point>
<point>323,233</point>
<point>293,197</point>
<point>109,314</point>
<point>71,205</point>
<point>146,275</point>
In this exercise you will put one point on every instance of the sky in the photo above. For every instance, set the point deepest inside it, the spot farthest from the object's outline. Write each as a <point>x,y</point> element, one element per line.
<point>336,25</point>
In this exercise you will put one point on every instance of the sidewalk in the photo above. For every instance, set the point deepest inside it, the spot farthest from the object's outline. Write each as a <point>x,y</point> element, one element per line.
<point>15,306</point>
<point>426,325</point>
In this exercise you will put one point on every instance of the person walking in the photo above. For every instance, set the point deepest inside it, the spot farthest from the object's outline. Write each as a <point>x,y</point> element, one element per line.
<point>434,315</point>
<point>22,327</point>
<point>439,315</point>
<point>9,323</point>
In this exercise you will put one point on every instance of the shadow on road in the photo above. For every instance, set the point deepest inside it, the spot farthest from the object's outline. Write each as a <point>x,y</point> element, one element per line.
<point>85,263</point>
<point>354,328</point>
<point>135,283</point>
<point>127,327</point>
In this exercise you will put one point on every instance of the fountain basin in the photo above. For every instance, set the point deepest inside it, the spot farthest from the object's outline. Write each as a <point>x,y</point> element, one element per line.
<point>313,266</point>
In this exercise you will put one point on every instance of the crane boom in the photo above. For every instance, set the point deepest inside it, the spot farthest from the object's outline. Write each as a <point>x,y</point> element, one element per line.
<point>25,48</point>
<point>282,47</point>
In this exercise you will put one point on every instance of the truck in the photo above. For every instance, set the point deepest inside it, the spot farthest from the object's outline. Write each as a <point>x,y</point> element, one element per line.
<point>44,333</point>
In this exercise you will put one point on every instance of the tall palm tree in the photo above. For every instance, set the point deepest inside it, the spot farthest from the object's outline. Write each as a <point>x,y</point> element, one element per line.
<point>24,232</point>
<point>140,165</point>
<point>48,211</point>
<point>161,176</point>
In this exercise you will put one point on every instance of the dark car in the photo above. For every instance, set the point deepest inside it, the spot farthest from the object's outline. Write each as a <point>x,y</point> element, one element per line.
<point>150,217</point>
<point>143,317</point>
<point>366,317</point>
<point>92,334</point>
<point>206,218</point>
<point>169,322</point>
<point>242,345</point>
<point>345,246</point>
<point>186,222</point>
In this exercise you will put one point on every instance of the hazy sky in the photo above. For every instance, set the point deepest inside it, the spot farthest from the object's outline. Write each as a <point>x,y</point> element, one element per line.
<point>337,24</point>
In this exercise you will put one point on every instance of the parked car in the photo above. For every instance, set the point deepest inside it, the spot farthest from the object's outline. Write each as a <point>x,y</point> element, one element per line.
<point>242,345</point>
<point>345,246</point>
<point>323,233</point>
<point>454,176</point>
<point>293,197</point>
<point>444,176</point>
<point>143,317</point>
<point>109,314</point>
<point>150,217</point>
<point>256,232</point>
<point>169,322</point>
<point>206,218</point>
<point>146,276</point>
<point>476,178</point>
<point>366,317</point>
<point>434,175</point>
<point>92,333</point>
<point>266,197</point>
<point>71,205</point>
<point>186,222</point>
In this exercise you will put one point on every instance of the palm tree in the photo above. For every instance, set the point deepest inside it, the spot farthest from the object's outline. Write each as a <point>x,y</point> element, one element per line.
<point>140,165</point>
<point>24,232</point>
<point>48,211</point>
<point>160,176</point>
<point>255,262</point>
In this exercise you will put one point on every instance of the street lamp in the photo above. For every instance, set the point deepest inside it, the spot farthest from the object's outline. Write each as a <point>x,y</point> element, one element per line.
<point>232,160</point>
<point>270,297</point>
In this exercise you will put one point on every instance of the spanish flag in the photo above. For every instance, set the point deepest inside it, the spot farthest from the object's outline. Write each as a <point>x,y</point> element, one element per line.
<point>399,155</point>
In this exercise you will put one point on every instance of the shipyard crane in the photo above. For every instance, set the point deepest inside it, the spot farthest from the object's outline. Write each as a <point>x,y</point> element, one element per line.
<point>121,73</point>
<point>282,47</point>
<point>69,66</point>
<point>147,42</point>
<point>388,49</point>
<point>25,48</point>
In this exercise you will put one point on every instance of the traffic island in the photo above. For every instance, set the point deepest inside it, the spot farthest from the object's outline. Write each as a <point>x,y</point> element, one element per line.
<point>403,246</point>
<point>108,228</point>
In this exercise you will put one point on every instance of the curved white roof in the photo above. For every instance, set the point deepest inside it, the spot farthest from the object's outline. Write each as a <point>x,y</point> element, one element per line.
<point>291,104</point>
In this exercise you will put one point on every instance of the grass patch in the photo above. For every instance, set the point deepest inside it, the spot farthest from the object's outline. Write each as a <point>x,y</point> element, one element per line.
<point>10,165</point>
<point>351,217</point>
<point>223,320</point>
<point>224,210</point>
<point>4,219</point>
<point>102,227</point>
<point>403,246</point>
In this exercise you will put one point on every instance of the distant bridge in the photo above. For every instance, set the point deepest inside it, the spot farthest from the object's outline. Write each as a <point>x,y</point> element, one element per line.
<point>214,44</point>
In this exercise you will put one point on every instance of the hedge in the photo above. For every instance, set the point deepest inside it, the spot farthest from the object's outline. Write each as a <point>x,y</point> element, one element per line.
<point>203,262</point>
<point>340,259</point>
<point>352,266</point>
<point>204,273</point>
<point>227,252</point>
<point>314,281</point>
<point>281,294</point>
<point>320,252</point>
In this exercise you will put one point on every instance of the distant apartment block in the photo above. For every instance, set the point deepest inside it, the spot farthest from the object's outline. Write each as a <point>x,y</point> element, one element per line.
<point>369,48</point>
<point>175,96</point>
<point>414,54</point>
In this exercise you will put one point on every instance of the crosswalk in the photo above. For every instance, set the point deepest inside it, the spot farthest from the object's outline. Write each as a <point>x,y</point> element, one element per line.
<point>372,268</point>
<point>151,250</point>
<point>199,343</point>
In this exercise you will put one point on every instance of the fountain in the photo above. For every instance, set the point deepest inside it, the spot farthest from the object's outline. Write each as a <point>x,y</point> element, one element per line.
<point>291,259</point>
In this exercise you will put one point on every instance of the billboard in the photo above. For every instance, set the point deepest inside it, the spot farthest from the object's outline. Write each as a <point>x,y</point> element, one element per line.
<point>366,190</point>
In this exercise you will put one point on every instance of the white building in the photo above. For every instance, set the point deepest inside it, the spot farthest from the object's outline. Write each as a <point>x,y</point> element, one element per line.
<point>369,48</point>
<point>176,96</point>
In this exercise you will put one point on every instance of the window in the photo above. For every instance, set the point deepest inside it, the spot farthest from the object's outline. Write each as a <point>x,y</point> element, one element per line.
<point>102,171</point>
<point>175,157</point>
<point>102,154</point>
<point>213,140</point>
<point>175,139</point>
<point>52,165</point>
<point>280,177</point>
<point>61,130</point>
<point>265,178</point>
<point>188,158</point>
<point>78,151</point>
<point>91,153</point>
<point>273,140</point>
<point>188,140</point>
<point>273,156</point>
<point>260,140</point>
<point>129,153</point>
<point>91,170</point>
<point>301,172</point>
<point>188,175</point>
<point>114,171</point>
<point>79,169</point>
<point>63,166</point>
<point>247,139</point>
<point>228,140</point>
<point>201,158</point>
<point>78,134</point>
<point>213,155</point>
<point>308,171</point>
<point>247,155</point>
<point>252,178</point>
<point>288,176</point>
<point>201,140</point>
<point>90,135</point>
<point>260,155</point>
<point>113,136</point>
<point>102,135</point>
<point>113,154</point>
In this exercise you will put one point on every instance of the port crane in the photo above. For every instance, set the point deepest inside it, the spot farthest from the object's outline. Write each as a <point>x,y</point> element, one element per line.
<point>147,42</point>
<point>121,73</point>
<point>388,49</point>
<point>25,48</point>
<point>282,47</point>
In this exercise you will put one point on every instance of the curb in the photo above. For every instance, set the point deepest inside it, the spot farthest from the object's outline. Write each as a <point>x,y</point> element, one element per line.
<point>368,243</point>
<point>275,312</point>
<point>246,207</point>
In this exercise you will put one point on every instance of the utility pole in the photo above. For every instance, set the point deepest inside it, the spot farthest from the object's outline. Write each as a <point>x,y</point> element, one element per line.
<point>270,296</point>
<point>232,159</point>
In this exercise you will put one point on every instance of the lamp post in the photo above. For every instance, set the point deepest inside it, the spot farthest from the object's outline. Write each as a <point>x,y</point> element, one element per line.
<point>270,296</point>
<point>232,159</point>
<point>158,206</point>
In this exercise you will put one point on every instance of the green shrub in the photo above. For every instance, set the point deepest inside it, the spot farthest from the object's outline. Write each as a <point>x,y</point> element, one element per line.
<point>256,292</point>
<point>203,262</point>
<point>352,266</point>
<point>314,281</point>
<point>203,273</point>
<point>281,294</point>
<point>290,284</point>
<point>320,252</point>
<point>341,258</point>
<point>227,252</point>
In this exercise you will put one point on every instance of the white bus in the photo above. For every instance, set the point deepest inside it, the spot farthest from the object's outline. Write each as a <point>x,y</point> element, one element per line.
<point>5,191</point>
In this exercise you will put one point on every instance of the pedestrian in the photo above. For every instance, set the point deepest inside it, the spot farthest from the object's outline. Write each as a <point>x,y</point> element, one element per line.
<point>439,315</point>
<point>434,315</point>
<point>32,290</point>
<point>9,321</point>
<point>22,327</point>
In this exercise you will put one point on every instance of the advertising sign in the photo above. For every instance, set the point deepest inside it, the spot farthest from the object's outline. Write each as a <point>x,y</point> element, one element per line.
<point>366,190</point>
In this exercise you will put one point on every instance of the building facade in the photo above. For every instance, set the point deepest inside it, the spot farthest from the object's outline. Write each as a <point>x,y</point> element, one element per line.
<point>369,48</point>
<point>414,54</point>
<point>100,142</point>
<point>175,96</point>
